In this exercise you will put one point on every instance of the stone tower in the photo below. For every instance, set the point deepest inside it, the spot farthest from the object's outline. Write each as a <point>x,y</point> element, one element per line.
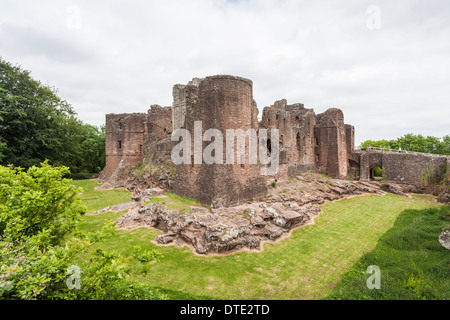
<point>223,102</point>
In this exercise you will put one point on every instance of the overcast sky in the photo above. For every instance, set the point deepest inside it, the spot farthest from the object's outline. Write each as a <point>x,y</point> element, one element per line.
<point>386,64</point>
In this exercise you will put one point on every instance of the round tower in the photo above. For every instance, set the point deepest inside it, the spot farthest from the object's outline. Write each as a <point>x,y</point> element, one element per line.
<point>225,102</point>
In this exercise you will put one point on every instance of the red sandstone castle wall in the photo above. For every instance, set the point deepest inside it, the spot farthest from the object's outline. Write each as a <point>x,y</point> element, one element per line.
<point>224,102</point>
<point>331,146</point>
<point>124,137</point>
<point>297,143</point>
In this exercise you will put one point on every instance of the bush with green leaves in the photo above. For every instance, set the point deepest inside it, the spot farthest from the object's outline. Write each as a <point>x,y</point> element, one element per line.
<point>40,244</point>
<point>35,200</point>
<point>146,255</point>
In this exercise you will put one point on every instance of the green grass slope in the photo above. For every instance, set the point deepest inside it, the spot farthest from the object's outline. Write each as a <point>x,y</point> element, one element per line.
<point>412,262</point>
<point>98,199</point>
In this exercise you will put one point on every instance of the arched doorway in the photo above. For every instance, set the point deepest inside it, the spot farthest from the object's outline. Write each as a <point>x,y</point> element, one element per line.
<point>376,172</point>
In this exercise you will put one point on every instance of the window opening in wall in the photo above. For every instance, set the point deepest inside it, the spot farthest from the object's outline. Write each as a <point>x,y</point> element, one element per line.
<point>119,144</point>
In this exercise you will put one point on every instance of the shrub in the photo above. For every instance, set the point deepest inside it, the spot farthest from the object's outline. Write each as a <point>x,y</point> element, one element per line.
<point>39,243</point>
<point>36,200</point>
<point>146,255</point>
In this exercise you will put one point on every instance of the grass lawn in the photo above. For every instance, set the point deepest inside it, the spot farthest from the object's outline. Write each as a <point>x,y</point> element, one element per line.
<point>413,264</point>
<point>176,202</point>
<point>96,200</point>
<point>307,265</point>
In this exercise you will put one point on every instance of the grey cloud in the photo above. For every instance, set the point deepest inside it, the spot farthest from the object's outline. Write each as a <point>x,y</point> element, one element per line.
<point>28,41</point>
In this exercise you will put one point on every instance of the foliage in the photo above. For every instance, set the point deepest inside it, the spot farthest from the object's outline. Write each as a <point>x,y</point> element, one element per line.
<point>35,200</point>
<point>35,125</point>
<point>146,255</point>
<point>413,264</point>
<point>416,143</point>
<point>38,210</point>
<point>377,171</point>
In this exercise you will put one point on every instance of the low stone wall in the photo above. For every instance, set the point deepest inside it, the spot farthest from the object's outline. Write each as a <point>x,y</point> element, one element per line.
<point>403,167</point>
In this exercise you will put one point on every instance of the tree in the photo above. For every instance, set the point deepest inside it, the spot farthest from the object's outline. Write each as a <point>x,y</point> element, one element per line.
<point>2,149</point>
<point>40,246</point>
<point>36,124</point>
<point>416,143</point>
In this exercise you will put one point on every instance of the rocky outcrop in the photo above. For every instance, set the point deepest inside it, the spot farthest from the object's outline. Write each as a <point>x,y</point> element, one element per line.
<point>444,239</point>
<point>444,197</point>
<point>221,231</point>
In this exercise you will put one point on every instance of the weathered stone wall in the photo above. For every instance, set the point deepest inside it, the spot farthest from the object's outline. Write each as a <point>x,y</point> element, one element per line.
<point>296,130</point>
<point>183,96</point>
<point>124,137</point>
<point>157,142</point>
<point>160,121</point>
<point>350,139</point>
<point>403,167</point>
<point>412,167</point>
<point>331,143</point>
<point>224,102</point>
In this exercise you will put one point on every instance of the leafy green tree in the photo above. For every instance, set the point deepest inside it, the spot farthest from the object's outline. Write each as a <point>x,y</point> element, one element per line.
<point>416,143</point>
<point>2,149</point>
<point>376,144</point>
<point>35,200</point>
<point>36,124</point>
<point>93,147</point>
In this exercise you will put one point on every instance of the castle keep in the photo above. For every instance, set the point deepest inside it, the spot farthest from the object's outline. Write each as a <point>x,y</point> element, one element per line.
<point>307,141</point>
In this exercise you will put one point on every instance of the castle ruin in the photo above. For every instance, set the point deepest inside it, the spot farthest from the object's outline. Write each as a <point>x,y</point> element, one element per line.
<point>307,141</point>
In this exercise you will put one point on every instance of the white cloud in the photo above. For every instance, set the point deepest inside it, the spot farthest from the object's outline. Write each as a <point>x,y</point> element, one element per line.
<point>126,55</point>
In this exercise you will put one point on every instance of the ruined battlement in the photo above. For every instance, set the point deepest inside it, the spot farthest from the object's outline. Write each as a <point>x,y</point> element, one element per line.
<point>225,102</point>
